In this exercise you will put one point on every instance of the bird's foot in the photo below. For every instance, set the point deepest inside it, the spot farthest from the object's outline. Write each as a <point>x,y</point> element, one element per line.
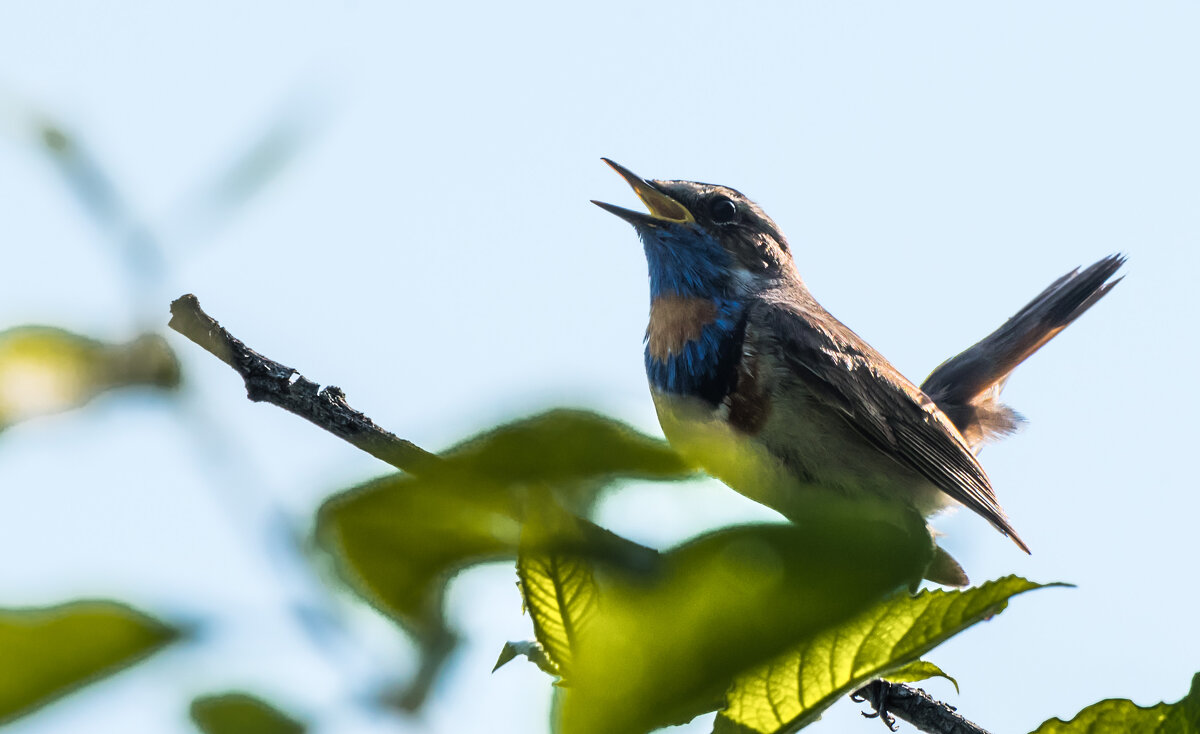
<point>876,693</point>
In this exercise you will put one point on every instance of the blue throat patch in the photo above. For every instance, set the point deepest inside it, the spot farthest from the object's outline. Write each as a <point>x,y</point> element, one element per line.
<point>687,262</point>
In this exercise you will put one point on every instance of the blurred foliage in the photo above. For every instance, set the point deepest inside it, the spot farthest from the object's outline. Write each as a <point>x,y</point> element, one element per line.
<point>254,168</point>
<point>48,652</point>
<point>793,690</point>
<point>640,651</point>
<point>398,540</point>
<point>1121,715</point>
<point>239,713</point>
<point>47,370</point>
<point>577,452</point>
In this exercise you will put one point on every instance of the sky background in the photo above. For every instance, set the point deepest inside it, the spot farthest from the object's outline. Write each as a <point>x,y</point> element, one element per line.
<point>431,250</point>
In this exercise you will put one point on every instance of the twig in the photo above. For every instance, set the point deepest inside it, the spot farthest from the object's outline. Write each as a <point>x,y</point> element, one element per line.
<point>914,706</point>
<point>271,382</point>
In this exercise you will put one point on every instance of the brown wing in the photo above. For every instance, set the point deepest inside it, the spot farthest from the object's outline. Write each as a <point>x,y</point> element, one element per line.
<point>844,372</point>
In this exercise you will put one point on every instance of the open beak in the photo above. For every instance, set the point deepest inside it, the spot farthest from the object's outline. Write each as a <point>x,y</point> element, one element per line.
<point>662,207</point>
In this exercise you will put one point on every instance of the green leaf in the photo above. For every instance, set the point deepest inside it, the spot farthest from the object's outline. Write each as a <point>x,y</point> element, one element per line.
<point>918,671</point>
<point>46,370</point>
<point>1182,717</point>
<point>46,653</point>
<point>397,541</point>
<point>793,690</point>
<point>239,713</point>
<point>560,594</point>
<point>659,650</point>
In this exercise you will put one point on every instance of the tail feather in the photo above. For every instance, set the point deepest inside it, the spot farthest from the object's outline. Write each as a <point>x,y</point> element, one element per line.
<point>967,387</point>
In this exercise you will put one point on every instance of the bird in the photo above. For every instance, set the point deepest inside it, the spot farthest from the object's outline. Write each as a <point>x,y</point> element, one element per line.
<point>760,386</point>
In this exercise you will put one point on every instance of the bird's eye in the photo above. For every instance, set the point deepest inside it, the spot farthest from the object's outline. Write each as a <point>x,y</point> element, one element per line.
<point>722,210</point>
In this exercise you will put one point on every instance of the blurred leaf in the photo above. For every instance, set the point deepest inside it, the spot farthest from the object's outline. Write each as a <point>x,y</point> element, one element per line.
<point>47,370</point>
<point>398,540</point>
<point>48,652</point>
<point>918,671</point>
<point>1121,715</point>
<point>239,713</point>
<point>565,448</point>
<point>266,154</point>
<point>793,690</point>
<point>531,650</point>
<point>256,166</point>
<point>101,198</point>
<point>86,177</point>
<point>660,650</point>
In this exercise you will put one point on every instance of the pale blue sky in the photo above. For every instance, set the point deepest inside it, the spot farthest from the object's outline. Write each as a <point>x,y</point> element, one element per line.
<point>433,252</point>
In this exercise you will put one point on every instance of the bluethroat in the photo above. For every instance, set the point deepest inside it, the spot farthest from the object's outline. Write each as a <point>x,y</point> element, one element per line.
<point>762,387</point>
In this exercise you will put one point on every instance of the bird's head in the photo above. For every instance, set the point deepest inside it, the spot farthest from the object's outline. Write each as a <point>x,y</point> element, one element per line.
<point>704,240</point>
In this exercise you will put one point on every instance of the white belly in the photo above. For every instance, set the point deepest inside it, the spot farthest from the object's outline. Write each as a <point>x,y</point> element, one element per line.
<point>798,466</point>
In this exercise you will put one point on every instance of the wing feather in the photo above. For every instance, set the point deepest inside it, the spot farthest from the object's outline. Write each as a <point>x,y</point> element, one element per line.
<point>844,372</point>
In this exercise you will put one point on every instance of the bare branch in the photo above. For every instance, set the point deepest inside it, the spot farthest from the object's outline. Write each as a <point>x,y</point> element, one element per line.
<point>914,706</point>
<point>271,382</point>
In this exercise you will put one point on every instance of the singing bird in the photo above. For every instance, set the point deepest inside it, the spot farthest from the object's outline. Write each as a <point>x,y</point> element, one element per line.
<point>762,387</point>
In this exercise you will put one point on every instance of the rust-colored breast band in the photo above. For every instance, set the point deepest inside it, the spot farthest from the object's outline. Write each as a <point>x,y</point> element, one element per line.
<point>675,321</point>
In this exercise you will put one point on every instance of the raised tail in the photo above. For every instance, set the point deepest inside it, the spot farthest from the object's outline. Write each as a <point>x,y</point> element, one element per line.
<point>967,387</point>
